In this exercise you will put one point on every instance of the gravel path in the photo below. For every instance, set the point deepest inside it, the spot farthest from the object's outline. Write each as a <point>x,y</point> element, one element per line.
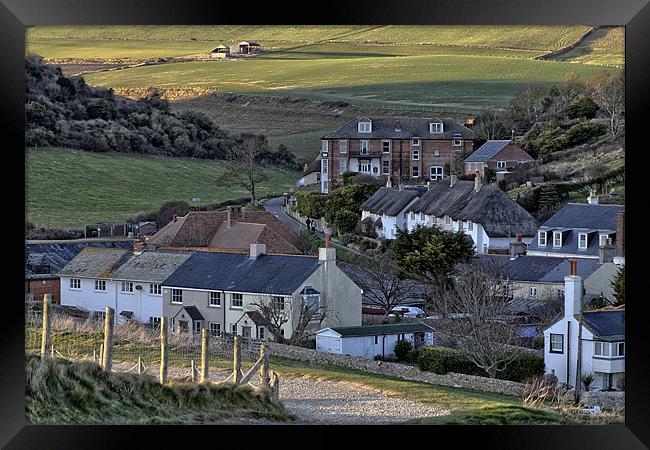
<point>331,402</point>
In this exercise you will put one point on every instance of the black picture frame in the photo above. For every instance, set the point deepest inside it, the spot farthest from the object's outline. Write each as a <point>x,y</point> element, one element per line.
<point>634,14</point>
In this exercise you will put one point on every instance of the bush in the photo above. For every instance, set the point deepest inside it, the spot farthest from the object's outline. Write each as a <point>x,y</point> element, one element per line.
<point>402,348</point>
<point>583,107</point>
<point>412,356</point>
<point>524,367</point>
<point>367,245</point>
<point>442,360</point>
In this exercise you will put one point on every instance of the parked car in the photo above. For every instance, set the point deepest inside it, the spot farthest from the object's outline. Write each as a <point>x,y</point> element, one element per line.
<point>411,312</point>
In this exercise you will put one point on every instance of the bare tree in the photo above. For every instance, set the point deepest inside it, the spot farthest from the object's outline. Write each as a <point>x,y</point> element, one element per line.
<point>609,94</point>
<point>241,166</point>
<point>493,124</point>
<point>379,278</point>
<point>527,105</point>
<point>472,312</point>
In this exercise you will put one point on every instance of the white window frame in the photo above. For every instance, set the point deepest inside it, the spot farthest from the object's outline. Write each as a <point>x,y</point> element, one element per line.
<point>383,146</point>
<point>75,284</point>
<point>213,332</point>
<point>532,292</point>
<point>232,301</point>
<point>582,236</point>
<point>260,333</point>
<point>415,154</point>
<point>436,127</point>
<point>501,164</point>
<point>385,168</point>
<point>324,145</point>
<point>176,293</point>
<point>413,170</point>
<point>197,327</point>
<point>447,220</point>
<point>155,289</point>
<point>554,349</point>
<point>470,225</point>
<point>343,166</point>
<point>436,152</point>
<point>602,239</point>
<point>279,300</point>
<point>233,329</point>
<point>155,321</point>
<point>126,287</point>
<point>212,297</point>
<point>364,127</point>
<point>415,142</point>
<point>438,176</point>
<point>556,235</point>
<point>364,147</point>
<point>343,145</point>
<point>100,285</point>
<point>363,165</point>
<point>542,238</point>
<point>457,143</point>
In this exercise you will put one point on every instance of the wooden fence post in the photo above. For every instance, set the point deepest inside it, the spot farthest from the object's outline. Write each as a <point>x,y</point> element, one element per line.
<point>193,373</point>
<point>264,370</point>
<point>163,350</point>
<point>139,365</point>
<point>107,353</point>
<point>275,387</point>
<point>45,338</point>
<point>236,361</point>
<point>204,356</point>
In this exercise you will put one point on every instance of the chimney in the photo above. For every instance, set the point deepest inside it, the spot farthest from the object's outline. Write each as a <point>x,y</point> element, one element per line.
<point>306,167</point>
<point>572,290</point>
<point>593,198</point>
<point>233,214</point>
<point>620,233</point>
<point>606,252</point>
<point>327,258</point>
<point>389,183</point>
<point>257,250</point>
<point>398,126</point>
<point>518,247</point>
<point>452,180</point>
<point>477,181</point>
<point>428,185</point>
<point>174,218</point>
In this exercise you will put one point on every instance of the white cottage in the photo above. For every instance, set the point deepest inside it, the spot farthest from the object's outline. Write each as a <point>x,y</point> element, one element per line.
<point>603,340</point>
<point>484,212</point>
<point>372,340</point>
<point>128,282</point>
<point>385,212</point>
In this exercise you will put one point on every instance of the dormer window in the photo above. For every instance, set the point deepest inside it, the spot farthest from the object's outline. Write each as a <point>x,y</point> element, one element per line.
<point>582,241</point>
<point>415,142</point>
<point>541,239</point>
<point>557,239</point>
<point>365,127</point>
<point>435,127</point>
<point>311,300</point>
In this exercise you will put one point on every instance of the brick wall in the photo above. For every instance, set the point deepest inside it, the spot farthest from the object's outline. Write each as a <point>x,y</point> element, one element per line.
<point>38,288</point>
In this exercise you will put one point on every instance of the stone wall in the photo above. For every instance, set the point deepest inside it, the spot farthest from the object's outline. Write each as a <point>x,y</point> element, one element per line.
<point>398,370</point>
<point>612,400</point>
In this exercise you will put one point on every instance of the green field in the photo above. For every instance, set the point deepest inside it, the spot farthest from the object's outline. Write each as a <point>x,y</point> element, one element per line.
<point>604,47</point>
<point>67,188</point>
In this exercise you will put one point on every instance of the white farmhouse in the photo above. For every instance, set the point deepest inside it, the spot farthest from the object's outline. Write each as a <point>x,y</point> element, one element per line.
<point>484,212</point>
<point>128,282</point>
<point>603,340</point>
<point>372,340</point>
<point>385,212</point>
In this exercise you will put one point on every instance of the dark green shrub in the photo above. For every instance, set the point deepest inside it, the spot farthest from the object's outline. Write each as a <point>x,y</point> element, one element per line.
<point>412,356</point>
<point>523,367</point>
<point>367,245</point>
<point>402,348</point>
<point>583,132</point>
<point>442,360</point>
<point>583,107</point>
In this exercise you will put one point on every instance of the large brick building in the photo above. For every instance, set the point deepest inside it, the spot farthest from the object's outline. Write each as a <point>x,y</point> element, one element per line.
<point>405,149</point>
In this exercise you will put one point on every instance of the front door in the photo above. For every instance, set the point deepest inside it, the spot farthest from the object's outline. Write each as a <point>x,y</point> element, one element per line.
<point>183,326</point>
<point>246,332</point>
<point>197,327</point>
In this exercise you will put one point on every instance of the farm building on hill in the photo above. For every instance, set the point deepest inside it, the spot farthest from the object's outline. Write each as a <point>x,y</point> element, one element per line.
<point>220,52</point>
<point>247,47</point>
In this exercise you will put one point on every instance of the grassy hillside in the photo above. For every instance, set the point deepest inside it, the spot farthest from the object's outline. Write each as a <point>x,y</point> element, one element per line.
<point>67,188</point>
<point>604,47</point>
<point>62,392</point>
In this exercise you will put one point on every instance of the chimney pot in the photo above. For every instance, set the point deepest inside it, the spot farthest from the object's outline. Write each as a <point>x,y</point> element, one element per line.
<point>174,217</point>
<point>452,180</point>
<point>477,181</point>
<point>573,267</point>
<point>519,237</point>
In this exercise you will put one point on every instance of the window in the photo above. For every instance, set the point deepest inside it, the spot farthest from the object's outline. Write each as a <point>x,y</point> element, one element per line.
<point>541,238</point>
<point>177,296</point>
<point>602,239</point>
<point>233,328</point>
<point>385,146</point>
<point>376,340</point>
<point>435,127</point>
<point>601,348</point>
<point>582,241</point>
<point>405,214</point>
<point>155,321</point>
<point>311,300</point>
<point>485,248</point>
<point>412,216</point>
<point>75,283</point>
<point>436,152</point>
<point>415,154</point>
<point>532,291</point>
<point>215,328</point>
<point>365,127</point>
<point>557,343</point>
<point>501,164</point>
<point>324,166</point>
<point>415,171</point>
<point>620,348</point>
<point>447,220</point>
<point>155,289</point>
<point>458,143</point>
<point>127,287</point>
<point>436,173</point>
<point>415,142</point>
<point>278,302</point>
<point>343,146</point>
<point>324,145</point>
<point>364,147</point>
<point>260,332</point>
<point>100,285</point>
<point>343,166</point>
<point>470,226</point>
<point>215,299</point>
<point>237,301</point>
<point>100,316</point>
<point>385,167</point>
<point>421,217</point>
<point>364,166</point>
<point>197,327</point>
<point>557,239</point>
<point>560,293</point>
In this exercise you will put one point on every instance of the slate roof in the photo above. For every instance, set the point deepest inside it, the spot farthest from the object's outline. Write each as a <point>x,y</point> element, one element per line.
<point>498,214</point>
<point>606,325</point>
<point>384,128</point>
<point>256,317</point>
<point>57,254</point>
<point>538,269</point>
<point>313,166</point>
<point>95,263</point>
<point>389,201</point>
<point>268,274</point>
<point>375,330</point>
<point>194,312</point>
<point>152,267</point>
<point>576,218</point>
<point>487,151</point>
